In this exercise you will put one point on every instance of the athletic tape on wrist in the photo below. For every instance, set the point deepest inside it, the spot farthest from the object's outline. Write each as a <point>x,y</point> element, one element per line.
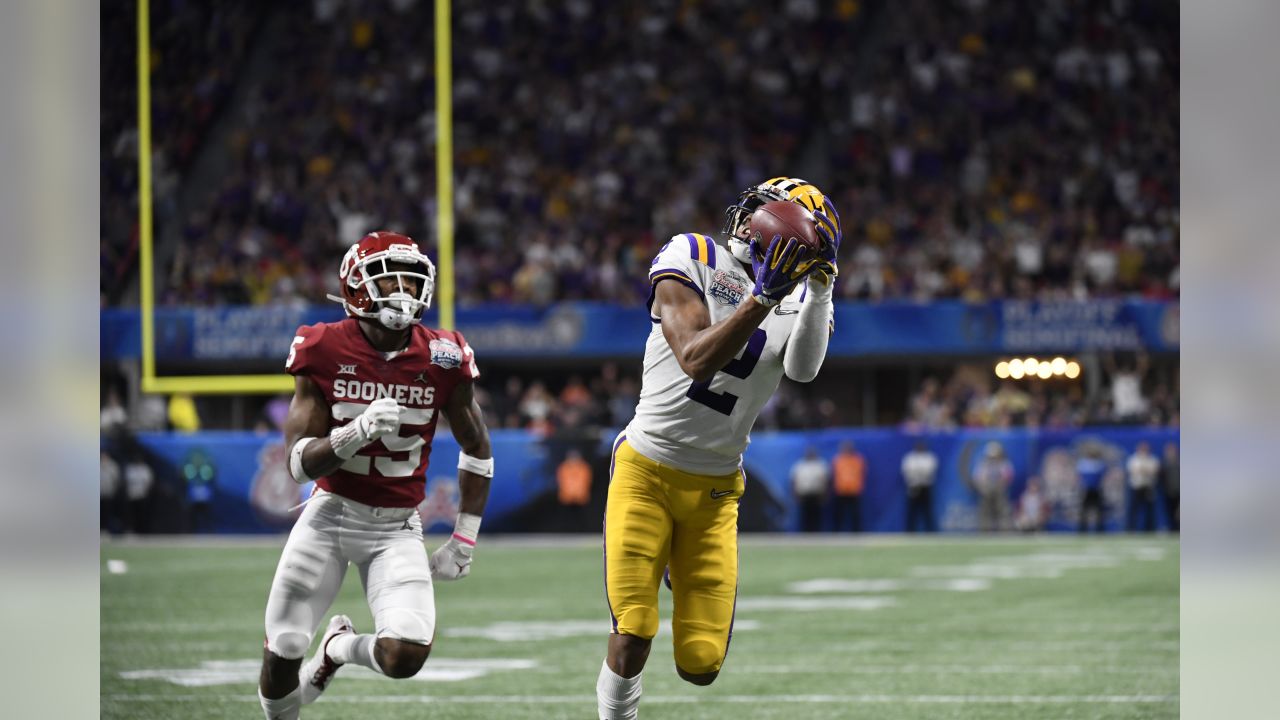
<point>821,289</point>
<point>466,529</point>
<point>296,470</point>
<point>483,468</point>
<point>346,440</point>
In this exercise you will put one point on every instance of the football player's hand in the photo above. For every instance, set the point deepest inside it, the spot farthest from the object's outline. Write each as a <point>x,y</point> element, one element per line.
<point>382,417</point>
<point>832,235</point>
<point>784,265</point>
<point>452,560</point>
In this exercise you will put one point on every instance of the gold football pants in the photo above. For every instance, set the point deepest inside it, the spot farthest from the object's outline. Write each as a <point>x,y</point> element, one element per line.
<point>657,518</point>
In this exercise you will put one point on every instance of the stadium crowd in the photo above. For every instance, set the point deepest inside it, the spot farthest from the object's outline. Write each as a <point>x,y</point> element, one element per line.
<point>197,52</point>
<point>1128,394</point>
<point>975,148</point>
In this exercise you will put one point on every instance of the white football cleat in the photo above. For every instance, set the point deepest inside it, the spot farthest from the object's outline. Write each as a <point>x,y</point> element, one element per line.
<point>314,677</point>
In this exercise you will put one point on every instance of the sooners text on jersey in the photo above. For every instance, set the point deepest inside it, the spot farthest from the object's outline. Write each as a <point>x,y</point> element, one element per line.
<point>391,471</point>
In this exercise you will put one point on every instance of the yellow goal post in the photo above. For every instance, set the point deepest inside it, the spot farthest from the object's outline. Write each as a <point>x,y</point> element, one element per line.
<point>280,383</point>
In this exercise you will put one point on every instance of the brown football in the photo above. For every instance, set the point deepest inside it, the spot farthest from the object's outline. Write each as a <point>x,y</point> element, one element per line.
<point>788,219</point>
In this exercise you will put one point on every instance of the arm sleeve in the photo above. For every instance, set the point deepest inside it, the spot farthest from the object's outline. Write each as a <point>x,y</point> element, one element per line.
<point>807,346</point>
<point>303,350</point>
<point>682,260</point>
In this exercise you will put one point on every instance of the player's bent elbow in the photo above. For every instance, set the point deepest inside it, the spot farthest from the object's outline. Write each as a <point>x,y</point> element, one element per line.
<point>701,375</point>
<point>697,371</point>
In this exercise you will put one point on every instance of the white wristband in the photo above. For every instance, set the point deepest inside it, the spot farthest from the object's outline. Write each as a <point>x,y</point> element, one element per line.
<point>483,468</point>
<point>296,470</point>
<point>466,528</point>
<point>346,440</point>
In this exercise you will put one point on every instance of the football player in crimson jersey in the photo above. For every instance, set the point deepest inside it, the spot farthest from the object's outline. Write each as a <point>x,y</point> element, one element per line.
<point>367,395</point>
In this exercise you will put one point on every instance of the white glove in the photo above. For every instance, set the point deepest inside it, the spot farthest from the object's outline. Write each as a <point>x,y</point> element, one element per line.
<point>382,417</point>
<point>452,560</point>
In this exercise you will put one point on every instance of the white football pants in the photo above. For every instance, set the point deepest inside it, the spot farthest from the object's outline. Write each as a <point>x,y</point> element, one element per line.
<point>384,543</point>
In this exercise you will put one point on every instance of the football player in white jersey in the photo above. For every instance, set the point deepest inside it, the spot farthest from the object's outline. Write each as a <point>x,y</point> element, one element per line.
<point>728,322</point>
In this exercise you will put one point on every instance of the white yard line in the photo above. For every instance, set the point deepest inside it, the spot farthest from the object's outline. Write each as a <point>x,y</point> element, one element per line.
<point>673,699</point>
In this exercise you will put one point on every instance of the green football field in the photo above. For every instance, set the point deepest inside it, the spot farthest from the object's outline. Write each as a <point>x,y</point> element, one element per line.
<point>883,627</point>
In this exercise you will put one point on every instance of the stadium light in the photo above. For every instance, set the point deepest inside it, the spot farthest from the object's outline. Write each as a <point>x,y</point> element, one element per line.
<point>1002,369</point>
<point>1072,371</point>
<point>1030,366</point>
<point>1015,368</point>
<point>1044,372</point>
<point>1059,365</point>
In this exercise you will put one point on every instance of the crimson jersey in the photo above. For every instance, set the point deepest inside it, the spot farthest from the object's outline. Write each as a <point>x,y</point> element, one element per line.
<point>351,373</point>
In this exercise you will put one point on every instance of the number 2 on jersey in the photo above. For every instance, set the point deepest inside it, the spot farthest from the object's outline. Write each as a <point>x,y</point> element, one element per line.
<point>739,367</point>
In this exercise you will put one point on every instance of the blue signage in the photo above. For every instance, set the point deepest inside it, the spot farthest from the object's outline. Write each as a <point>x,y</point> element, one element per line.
<point>252,492</point>
<point>597,330</point>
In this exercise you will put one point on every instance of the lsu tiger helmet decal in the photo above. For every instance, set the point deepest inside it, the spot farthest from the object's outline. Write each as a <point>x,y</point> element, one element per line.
<point>736,216</point>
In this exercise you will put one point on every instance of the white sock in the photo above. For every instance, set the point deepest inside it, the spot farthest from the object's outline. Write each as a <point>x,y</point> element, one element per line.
<point>617,698</point>
<point>354,648</point>
<point>285,708</point>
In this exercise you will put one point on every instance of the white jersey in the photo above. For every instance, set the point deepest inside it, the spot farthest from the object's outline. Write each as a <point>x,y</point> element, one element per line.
<point>704,427</point>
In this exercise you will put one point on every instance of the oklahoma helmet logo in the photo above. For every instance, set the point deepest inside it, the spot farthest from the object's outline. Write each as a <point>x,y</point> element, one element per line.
<point>445,353</point>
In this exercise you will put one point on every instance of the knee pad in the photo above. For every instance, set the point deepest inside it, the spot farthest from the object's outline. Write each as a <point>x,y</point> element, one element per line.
<point>639,621</point>
<point>409,625</point>
<point>289,645</point>
<point>698,656</point>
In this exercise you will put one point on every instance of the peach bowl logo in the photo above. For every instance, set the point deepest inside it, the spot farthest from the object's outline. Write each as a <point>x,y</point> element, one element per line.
<point>445,353</point>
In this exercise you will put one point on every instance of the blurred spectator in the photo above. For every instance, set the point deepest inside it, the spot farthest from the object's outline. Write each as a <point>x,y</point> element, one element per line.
<point>276,411</point>
<point>1055,404</point>
<point>1169,482</point>
<point>183,415</point>
<point>573,480</point>
<point>138,482</point>
<point>151,413</point>
<point>809,478</point>
<point>1127,402</point>
<point>536,406</point>
<point>919,467</point>
<point>1092,468</point>
<point>849,468</point>
<point>1033,510</point>
<point>1144,468</point>
<point>109,502</point>
<point>991,480</point>
<point>113,418</point>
